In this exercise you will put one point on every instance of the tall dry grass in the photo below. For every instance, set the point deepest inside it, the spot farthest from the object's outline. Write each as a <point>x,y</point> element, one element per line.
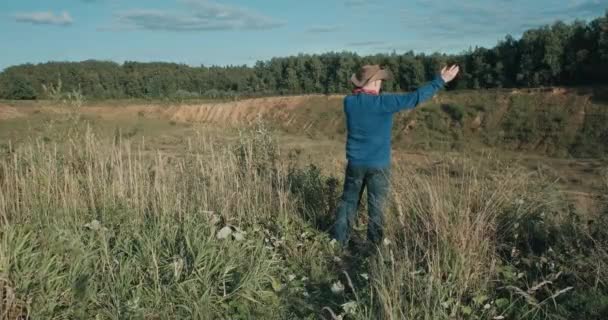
<point>101,228</point>
<point>444,240</point>
<point>105,228</point>
<point>484,240</point>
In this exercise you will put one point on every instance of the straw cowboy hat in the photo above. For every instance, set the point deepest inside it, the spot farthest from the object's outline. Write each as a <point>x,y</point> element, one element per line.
<point>370,73</point>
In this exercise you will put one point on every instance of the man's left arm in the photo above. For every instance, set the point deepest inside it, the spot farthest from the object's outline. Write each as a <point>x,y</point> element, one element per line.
<point>396,102</point>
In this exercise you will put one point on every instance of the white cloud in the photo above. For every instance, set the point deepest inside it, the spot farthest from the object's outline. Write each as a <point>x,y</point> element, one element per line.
<point>501,16</point>
<point>356,3</point>
<point>198,15</point>
<point>45,17</point>
<point>458,23</point>
<point>364,4</point>
<point>366,43</point>
<point>323,29</point>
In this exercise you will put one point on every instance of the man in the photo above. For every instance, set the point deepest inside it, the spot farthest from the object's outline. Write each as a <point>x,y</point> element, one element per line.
<point>369,120</point>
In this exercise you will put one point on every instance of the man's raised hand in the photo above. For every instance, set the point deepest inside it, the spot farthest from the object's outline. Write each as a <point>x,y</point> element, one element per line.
<point>449,74</point>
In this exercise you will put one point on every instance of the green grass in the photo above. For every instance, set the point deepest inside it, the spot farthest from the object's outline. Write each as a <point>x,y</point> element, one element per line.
<point>97,225</point>
<point>120,219</point>
<point>542,123</point>
<point>110,232</point>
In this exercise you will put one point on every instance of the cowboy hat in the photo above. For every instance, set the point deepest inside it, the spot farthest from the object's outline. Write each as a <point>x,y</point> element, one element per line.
<point>370,73</point>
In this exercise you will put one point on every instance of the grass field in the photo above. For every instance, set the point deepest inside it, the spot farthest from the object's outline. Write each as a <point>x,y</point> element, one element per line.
<point>146,211</point>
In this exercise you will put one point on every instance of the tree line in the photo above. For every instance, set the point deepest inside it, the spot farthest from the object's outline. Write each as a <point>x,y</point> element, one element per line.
<point>557,54</point>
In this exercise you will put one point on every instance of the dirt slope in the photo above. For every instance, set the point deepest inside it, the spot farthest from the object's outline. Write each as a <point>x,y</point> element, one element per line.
<point>222,113</point>
<point>8,112</point>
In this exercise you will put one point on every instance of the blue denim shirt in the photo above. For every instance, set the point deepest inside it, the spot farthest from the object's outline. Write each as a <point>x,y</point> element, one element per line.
<point>369,120</point>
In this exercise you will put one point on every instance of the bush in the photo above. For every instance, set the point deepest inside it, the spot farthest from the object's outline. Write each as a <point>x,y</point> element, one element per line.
<point>456,112</point>
<point>518,124</point>
<point>17,88</point>
<point>316,194</point>
<point>184,94</point>
<point>592,138</point>
<point>550,257</point>
<point>257,151</point>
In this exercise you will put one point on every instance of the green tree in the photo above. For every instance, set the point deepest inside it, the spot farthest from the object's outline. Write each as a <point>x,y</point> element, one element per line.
<point>559,54</point>
<point>411,72</point>
<point>17,87</point>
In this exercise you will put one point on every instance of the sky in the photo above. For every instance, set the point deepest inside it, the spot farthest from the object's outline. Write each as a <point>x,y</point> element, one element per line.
<point>237,32</point>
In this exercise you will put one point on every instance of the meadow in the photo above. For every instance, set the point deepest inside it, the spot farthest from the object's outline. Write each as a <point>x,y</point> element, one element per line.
<point>177,210</point>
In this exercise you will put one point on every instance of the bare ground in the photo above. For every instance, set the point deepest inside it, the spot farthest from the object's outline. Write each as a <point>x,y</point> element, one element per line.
<point>8,112</point>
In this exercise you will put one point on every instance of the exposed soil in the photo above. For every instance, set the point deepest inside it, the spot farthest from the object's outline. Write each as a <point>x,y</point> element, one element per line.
<point>8,112</point>
<point>234,113</point>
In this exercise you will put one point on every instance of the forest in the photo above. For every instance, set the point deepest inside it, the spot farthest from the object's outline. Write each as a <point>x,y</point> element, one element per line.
<point>561,54</point>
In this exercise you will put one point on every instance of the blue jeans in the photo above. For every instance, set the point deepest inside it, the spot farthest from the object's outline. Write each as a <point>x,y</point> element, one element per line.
<point>356,180</point>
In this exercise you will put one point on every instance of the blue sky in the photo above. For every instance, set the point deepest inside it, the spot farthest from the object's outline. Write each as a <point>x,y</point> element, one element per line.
<point>241,32</point>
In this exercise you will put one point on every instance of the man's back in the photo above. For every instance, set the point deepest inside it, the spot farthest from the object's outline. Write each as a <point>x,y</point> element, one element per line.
<point>369,131</point>
<point>369,120</point>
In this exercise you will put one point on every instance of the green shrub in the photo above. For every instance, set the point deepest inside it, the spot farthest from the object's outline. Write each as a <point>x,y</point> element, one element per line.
<point>552,261</point>
<point>518,124</point>
<point>317,195</point>
<point>479,107</point>
<point>456,112</point>
<point>592,138</point>
<point>529,124</point>
<point>257,150</point>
